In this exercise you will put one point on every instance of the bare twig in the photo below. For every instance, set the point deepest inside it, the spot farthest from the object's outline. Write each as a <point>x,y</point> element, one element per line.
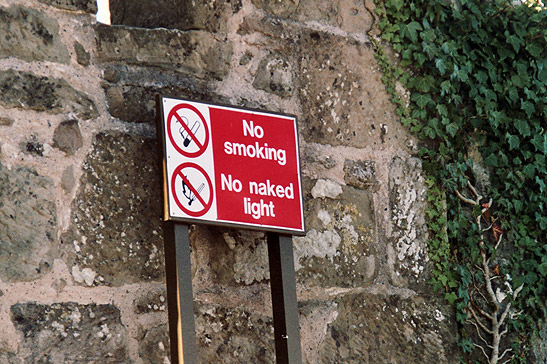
<point>498,242</point>
<point>483,351</point>
<point>508,350</point>
<point>505,313</point>
<point>479,332</point>
<point>465,199</point>
<point>480,323</point>
<point>489,311</point>
<point>474,190</point>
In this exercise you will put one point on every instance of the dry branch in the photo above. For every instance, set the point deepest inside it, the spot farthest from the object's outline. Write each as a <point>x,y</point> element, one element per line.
<point>489,311</point>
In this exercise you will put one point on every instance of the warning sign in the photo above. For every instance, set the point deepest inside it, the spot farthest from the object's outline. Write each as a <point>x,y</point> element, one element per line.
<point>232,166</point>
<point>187,130</point>
<point>192,189</point>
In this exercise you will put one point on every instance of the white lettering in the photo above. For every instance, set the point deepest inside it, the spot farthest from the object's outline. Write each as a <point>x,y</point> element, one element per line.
<point>289,192</point>
<point>253,186</point>
<point>228,148</point>
<point>255,131</point>
<point>281,156</point>
<point>251,151</point>
<point>256,150</point>
<point>228,183</point>
<point>258,209</point>
<point>269,189</point>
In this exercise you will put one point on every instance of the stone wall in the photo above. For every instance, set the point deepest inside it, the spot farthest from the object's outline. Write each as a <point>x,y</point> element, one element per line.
<point>82,276</point>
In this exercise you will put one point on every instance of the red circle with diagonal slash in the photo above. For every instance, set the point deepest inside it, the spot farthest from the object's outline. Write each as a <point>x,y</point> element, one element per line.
<point>206,204</point>
<point>201,146</point>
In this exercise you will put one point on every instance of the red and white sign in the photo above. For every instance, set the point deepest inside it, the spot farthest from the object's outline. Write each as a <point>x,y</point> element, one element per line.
<point>231,166</point>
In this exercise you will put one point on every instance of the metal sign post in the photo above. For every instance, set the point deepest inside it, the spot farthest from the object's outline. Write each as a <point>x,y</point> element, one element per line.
<point>181,302</point>
<point>180,299</point>
<point>284,303</point>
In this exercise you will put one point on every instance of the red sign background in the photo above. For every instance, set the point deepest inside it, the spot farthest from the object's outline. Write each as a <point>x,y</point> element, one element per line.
<point>279,133</point>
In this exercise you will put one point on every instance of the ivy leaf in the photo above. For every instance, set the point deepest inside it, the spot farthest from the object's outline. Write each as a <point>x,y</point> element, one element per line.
<point>421,99</point>
<point>540,142</point>
<point>459,74</point>
<point>398,4</point>
<point>518,81</point>
<point>429,48</point>
<point>517,204</point>
<point>513,141</point>
<point>522,70</point>
<point>515,42</point>
<point>446,87</point>
<point>528,108</point>
<point>439,63</point>
<point>505,52</point>
<point>452,129</point>
<point>442,110</point>
<point>490,95</point>
<point>420,58</point>
<point>542,75</point>
<point>530,93</point>
<point>481,76</point>
<point>541,184</point>
<point>423,84</point>
<point>513,94</point>
<point>491,71</point>
<point>522,127</point>
<point>411,30</point>
<point>443,279</point>
<point>529,170</point>
<point>428,36</point>
<point>429,132</point>
<point>448,47</point>
<point>451,297</point>
<point>530,278</point>
<point>542,220</point>
<point>491,160</point>
<point>534,49</point>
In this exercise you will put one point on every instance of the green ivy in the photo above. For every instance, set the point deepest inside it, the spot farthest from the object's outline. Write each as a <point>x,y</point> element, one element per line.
<point>476,72</point>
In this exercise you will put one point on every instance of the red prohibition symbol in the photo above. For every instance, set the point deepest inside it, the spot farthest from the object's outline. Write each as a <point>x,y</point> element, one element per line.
<point>189,129</point>
<point>191,191</point>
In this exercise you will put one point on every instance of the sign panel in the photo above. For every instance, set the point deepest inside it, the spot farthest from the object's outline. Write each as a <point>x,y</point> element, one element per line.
<point>231,166</point>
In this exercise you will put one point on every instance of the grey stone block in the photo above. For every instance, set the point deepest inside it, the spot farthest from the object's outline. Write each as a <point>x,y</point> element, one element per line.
<point>131,97</point>
<point>360,174</point>
<point>234,334</point>
<point>89,6</point>
<point>28,224</point>
<point>24,90</point>
<point>116,230</point>
<point>30,35</point>
<point>279,8</point>
<point>82,56</point>
<point>339,248</point>
<point>275,75</point>
<point>198,53</point>
<point>174,14</point>
<point>369,328</point>
<point>67,137</point>
<point>70,333</point>
<point>154,345</point>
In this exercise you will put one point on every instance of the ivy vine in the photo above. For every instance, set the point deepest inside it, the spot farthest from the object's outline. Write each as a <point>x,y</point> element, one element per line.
<point>476,73</point>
